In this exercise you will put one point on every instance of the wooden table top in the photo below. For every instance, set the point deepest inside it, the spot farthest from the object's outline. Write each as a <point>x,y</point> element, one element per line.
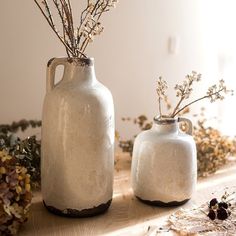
<point>127,215</point>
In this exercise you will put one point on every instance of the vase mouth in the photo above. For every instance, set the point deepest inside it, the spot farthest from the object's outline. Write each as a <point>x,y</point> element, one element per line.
<point>88,61</point>
<point>81,61</point>
<point>165,120</point>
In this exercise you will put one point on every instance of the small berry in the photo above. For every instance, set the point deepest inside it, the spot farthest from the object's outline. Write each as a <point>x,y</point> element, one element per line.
<point>223,204</point>
<point>212,215</point>
<point>222,214</point>
<point>213,202</point>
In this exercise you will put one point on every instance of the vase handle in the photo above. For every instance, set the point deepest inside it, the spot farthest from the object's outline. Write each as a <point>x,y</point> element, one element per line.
<point>51,69</point>
<point>189,123</point>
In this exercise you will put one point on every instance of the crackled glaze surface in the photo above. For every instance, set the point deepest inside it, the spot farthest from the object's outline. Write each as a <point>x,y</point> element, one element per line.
<point>164,165</point>
<point>77,138</point>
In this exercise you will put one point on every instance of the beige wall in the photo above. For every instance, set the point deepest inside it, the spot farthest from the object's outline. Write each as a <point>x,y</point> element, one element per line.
<point>130,54</point>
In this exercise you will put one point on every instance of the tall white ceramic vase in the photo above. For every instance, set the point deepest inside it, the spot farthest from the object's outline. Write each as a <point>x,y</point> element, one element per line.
<point>164,163</point>
<point>77,141</point>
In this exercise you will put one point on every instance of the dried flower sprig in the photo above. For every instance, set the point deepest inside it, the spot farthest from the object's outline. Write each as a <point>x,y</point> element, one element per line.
<point>76,39</point>
<point>161,92</point>
<point>184,90</point>
<point>15,194</point>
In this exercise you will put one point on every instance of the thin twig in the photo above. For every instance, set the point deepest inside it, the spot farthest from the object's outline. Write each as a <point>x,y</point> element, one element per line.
<point>68,20</point>
<point>53,28</point>
<point>49,12</point>
<point>61,14</point>
<point>159,103</point>
<point>177,106</point>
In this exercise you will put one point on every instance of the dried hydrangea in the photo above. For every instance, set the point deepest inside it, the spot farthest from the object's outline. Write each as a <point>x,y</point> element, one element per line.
<point>26,151</point>
<point>15,194</point>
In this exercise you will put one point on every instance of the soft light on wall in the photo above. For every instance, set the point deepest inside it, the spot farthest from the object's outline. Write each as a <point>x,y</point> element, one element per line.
<point>130,55</point>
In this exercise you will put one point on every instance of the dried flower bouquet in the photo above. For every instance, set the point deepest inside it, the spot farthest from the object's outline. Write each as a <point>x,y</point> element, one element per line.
<point>76,38</point>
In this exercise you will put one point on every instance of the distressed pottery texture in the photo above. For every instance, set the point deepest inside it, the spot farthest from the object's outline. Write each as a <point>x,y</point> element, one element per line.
<point>77,141</point>
<point>164,164</point>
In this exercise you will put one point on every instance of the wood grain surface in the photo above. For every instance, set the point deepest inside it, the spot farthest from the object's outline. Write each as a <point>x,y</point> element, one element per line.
<point>127,215</point>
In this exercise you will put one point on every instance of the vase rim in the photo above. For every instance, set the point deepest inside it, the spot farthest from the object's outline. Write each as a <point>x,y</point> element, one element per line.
<point>165,120</point>
<point>88,61</point>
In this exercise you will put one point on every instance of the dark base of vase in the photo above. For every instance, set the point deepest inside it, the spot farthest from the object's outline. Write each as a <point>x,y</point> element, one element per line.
<point>162,204</point>
<point>73,213</point>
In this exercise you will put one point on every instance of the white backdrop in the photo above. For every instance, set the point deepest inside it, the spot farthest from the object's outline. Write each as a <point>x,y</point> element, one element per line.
<point>129,55</point>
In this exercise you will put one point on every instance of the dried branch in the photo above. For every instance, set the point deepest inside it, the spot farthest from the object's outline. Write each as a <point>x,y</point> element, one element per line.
<point>214,93</point>
<point>76,42</point>
<point>53,27</point>
<point>184,90</point>
<point>161,90</point>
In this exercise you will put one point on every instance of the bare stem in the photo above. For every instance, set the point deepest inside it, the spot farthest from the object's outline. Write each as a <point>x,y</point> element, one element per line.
<point>159,104</point>
<point>61,13</point>
<point>64,35</point>
<point>68,20</point>
<point>53,27</point>
<point>49,12</point>
<point>177,106</point>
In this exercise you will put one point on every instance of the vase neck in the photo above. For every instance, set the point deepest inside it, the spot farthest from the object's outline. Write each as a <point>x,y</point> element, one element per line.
<point>80,70</point>
<point>166,126</point>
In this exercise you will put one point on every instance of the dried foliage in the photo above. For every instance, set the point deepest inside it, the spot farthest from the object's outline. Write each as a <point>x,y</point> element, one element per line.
<point>26,151</point>
<point>75,38</point>
<point>213,148</point>
<point>142,123</point>
<point>15,194</point>
<point>184,90</point>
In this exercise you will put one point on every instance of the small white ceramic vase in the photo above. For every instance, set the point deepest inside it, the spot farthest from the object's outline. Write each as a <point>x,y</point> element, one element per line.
<point>164,163</point>
<point>77,141</point>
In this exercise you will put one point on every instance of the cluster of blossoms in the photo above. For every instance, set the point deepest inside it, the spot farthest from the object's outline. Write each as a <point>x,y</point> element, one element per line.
<point>184,90</point>
<point>15,194</point>
<point>76,39</point>
<point>215,92</point>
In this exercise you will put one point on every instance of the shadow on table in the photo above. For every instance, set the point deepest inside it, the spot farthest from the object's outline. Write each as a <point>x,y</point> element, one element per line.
<point>125,211</point>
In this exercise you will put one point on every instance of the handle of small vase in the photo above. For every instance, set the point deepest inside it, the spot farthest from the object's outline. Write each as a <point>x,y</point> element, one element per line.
<point>189,123</point>
<point>51,69</point>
